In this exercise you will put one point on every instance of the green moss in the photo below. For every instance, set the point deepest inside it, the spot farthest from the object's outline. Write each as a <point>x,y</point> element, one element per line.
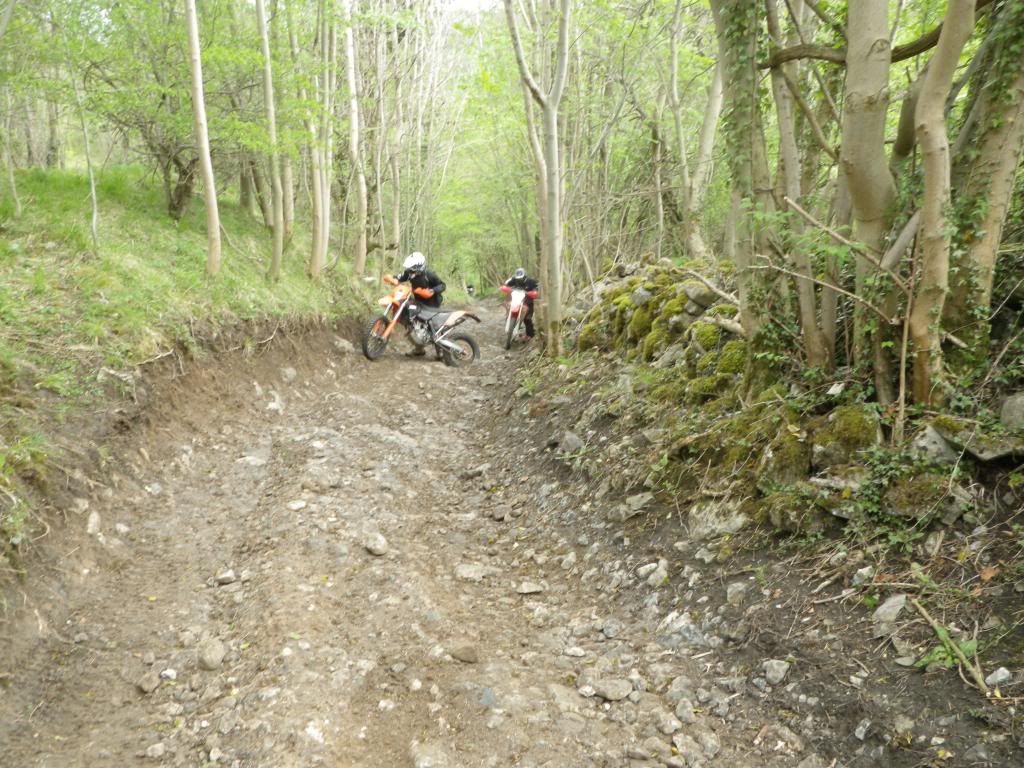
<point>655,341</point>
<point>639,324</point>
<point>707,363</point>
<point>671,391</point>
<point>720,406</point>
<point>707,387</point>
<point>723,310</point>
<point>591,337</point>
<point>623,301</point>
<point>674,306</point>
<point>794,511</point>
<point>786,461</point>
<point>773,394</point>
<point>733,357</point>
<point>706,334</point>
<point>855,426</point>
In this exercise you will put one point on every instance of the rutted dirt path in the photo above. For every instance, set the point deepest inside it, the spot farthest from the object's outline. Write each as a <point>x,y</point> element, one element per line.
<point>336,566</point>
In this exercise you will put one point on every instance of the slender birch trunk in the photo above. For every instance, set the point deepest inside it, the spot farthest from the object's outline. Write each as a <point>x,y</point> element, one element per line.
<point>355,153</point>
<point>203,140</point>
<point>930,119</point>
<point>277,225</point>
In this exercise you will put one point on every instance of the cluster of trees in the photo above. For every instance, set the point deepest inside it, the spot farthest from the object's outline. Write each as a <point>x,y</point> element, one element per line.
<point>870,151</point>
<point>849,167</point>
<point>301,110</point>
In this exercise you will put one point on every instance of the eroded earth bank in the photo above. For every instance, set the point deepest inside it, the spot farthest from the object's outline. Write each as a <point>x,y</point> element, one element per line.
<point>302,558</point>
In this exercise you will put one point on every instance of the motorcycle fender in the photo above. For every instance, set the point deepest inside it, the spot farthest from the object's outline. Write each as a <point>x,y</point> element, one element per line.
<point>458,317</point>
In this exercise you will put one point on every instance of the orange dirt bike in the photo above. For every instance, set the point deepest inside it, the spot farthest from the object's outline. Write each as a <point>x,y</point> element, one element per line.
<point>425,325</point>
<point>516,312</point>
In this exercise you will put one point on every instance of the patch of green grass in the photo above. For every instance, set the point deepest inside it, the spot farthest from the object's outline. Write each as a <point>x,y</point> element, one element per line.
<point>68,309</point>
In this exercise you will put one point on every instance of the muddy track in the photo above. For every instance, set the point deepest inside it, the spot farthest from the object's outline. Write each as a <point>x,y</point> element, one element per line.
<point>327,561</point>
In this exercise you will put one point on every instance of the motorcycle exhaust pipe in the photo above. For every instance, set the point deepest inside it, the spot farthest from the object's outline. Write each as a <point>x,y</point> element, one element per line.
<point>449,345</point>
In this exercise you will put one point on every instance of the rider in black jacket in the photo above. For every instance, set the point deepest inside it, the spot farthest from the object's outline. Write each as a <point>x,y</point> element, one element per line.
<point>417,274</point>
<point>522,280</point>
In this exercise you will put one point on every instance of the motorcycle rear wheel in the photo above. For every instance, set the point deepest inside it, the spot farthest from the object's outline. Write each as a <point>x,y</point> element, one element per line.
<point>469,350</point>
<point>374,340</point>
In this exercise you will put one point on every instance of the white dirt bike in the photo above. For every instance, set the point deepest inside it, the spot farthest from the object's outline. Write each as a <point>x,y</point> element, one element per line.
<point>516,312</point>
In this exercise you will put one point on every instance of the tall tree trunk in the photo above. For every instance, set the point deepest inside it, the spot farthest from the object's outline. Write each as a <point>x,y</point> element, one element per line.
<point>549,102</point>
<point>203,140</point>
<point>246,193</point>
<point>8,155</point>
<point>277,224</point>
<point>986,188</point>
<point>930,118</point>
<point>264,195</point>
<point>736,26</point>
<point>863,162</point>
<point>789,155</point>
<point>355,153</point>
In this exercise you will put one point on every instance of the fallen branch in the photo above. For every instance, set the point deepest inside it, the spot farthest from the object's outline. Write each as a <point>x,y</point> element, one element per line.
<point>951,647</point>
<point>858,247</point>
<point>726,324</point>
<point>712,287</point>
<point>888,320</point>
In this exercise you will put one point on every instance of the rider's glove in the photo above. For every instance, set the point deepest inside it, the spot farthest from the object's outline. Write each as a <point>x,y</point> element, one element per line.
<point>423,293</point>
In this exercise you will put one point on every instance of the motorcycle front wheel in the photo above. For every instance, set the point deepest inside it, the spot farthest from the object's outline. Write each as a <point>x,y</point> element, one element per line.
<point>374,340</point>
<point>510,331</point>
<point>467,352</point>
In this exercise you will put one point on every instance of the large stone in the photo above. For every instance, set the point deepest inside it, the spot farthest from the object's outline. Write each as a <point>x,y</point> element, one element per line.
<point>700,294</point>
<point>925,496</point>
<point>641,296</point>
<point>848,430</point>
<point>886,614</point>
<point>211,654</point>
<point>570,442</point>
<point>928,444</point>
<point>715,517</point>
<point>984,446</point>
<point>612,689</point>
<point>1012,412</point>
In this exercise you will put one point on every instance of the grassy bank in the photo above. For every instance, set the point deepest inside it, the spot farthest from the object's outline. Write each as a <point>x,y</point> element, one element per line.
<point>72,318</point>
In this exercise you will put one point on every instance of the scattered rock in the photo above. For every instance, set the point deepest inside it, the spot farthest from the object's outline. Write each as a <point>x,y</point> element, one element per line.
<point>735,591</point>
<point>863,575</point>
<point>931,446</point>
<point>1001,676</point>
<point>149,682</point>
<point>775,670</point>
<point>156,751</point>
<point>1012,413</point>
<point>344,345</point>
<point>92,525</point>
<point>288,375</point>
<point>715,517</point>
<point>570,442</point>
<point>641,296</point>
<point>375,543</point>
<point>226,577</point>
<point>886,614</point>
<point>612,689</point>
<point>211,654</point>
<point>474,571</point>
<point>465,652</point>
<point>529,588</point>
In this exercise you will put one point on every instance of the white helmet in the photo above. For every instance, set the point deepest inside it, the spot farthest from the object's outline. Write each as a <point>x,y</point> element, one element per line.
<point>415,262</point>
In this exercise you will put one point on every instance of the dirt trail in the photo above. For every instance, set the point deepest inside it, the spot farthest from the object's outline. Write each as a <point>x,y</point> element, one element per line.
<point>339,565</point>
